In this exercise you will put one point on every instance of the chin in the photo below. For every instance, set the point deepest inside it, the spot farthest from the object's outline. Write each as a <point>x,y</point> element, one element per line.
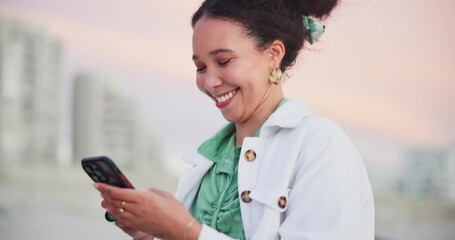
<point>229,118</point>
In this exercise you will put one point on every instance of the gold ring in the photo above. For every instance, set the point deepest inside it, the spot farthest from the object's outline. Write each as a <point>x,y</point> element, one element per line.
<point>122,206</point>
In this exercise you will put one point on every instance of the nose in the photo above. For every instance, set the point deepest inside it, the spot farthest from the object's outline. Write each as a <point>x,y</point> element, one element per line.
<point>212,81</point>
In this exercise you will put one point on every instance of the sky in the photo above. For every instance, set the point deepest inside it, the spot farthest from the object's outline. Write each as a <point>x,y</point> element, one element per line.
<point>383,70</point>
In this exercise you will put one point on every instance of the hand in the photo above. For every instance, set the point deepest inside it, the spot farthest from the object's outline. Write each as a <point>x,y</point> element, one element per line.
<point>134,233</point>
<point>153,212</point>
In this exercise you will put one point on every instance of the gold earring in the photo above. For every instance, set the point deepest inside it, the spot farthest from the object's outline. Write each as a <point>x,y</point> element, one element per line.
<point>275,76</point>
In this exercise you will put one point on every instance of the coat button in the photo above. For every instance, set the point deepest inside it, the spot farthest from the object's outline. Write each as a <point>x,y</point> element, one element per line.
<point>250,155</point>
<point>282,202</point>
<point>246,196</point>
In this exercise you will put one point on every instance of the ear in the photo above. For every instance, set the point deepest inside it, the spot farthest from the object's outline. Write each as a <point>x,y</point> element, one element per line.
<point>276,53</point>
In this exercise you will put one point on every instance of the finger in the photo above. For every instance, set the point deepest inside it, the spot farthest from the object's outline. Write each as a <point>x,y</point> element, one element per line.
<point>114,205</point>
<point>128,230</point>
<point>118,214</point>
<point>122,194</point>
<point>157,191</point>
<point>123,225</point>
<point>101,187</point>
<point>104,204</point>
<point>120,224</point>
<point>105,189</point>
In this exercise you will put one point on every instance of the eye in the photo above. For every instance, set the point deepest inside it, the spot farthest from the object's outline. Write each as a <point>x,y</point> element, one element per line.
<point>200,69</point>
<point>224,62</point>
<point>200,66</point>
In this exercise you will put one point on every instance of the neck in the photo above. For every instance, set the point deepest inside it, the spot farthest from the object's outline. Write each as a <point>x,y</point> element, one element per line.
<point>265,109</point>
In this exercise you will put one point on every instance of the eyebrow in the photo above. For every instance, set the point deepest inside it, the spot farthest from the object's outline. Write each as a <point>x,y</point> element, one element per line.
<point>215,52</point>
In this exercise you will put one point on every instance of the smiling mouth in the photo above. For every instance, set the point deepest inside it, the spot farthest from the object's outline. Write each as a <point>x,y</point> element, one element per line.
<point>226,97</point>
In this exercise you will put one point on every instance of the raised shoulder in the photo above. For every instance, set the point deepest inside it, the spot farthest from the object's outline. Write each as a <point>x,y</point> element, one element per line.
<point>321,132</point>
<point>326,149</point>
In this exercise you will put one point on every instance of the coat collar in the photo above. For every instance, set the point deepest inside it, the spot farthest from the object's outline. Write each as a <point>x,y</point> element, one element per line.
<point>287,116</point>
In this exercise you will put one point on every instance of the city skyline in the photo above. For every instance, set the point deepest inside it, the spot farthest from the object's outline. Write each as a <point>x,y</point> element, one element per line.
<point>30,78</point>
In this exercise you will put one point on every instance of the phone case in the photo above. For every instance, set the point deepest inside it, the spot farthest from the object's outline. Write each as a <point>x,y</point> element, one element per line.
<point>103,169</point>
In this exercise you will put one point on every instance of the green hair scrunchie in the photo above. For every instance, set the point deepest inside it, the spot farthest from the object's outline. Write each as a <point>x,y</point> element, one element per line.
<point>315,27</point>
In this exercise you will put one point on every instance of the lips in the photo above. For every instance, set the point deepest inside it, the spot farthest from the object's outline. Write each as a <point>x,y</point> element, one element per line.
<point>224,99</point>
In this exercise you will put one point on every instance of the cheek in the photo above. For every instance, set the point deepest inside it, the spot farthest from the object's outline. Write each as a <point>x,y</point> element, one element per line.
<point>236,74</point>
<point>200,83</point>
<point>255,79</point>
<point>255,73</point>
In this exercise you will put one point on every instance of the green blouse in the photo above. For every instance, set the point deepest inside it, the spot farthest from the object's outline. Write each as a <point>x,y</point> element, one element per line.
<point>217,202</point>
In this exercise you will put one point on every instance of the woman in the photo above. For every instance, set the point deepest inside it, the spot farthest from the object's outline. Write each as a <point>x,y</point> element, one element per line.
<point>276,171</point>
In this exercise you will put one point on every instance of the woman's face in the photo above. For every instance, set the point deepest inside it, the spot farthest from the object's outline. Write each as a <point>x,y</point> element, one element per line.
<point>231,70</point>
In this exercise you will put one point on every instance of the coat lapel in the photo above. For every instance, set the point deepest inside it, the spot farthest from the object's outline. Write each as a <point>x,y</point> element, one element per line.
<point>191,178</point>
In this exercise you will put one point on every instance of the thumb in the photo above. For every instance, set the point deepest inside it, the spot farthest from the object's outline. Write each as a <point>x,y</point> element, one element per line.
<point>156,191</point>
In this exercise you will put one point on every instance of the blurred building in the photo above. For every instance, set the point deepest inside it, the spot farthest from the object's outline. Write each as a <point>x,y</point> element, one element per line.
<point>107,123</point>
<point>429,174</point>
<point>450,171</point>
<point>30,75</point>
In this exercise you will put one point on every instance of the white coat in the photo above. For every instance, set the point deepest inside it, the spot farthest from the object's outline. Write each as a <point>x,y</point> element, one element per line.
<point>306,182</point>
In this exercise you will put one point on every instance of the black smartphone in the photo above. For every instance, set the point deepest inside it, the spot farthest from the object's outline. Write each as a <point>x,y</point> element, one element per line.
<point>103,169</point>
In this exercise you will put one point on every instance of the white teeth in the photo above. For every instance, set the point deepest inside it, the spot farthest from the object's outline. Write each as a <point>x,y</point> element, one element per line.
<point>225,97</point>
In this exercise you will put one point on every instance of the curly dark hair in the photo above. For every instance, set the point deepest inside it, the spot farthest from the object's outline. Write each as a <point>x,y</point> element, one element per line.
<point>269,20</point>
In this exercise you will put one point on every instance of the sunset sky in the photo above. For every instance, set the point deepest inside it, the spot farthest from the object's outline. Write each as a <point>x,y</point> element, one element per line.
<point>384,70</point>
